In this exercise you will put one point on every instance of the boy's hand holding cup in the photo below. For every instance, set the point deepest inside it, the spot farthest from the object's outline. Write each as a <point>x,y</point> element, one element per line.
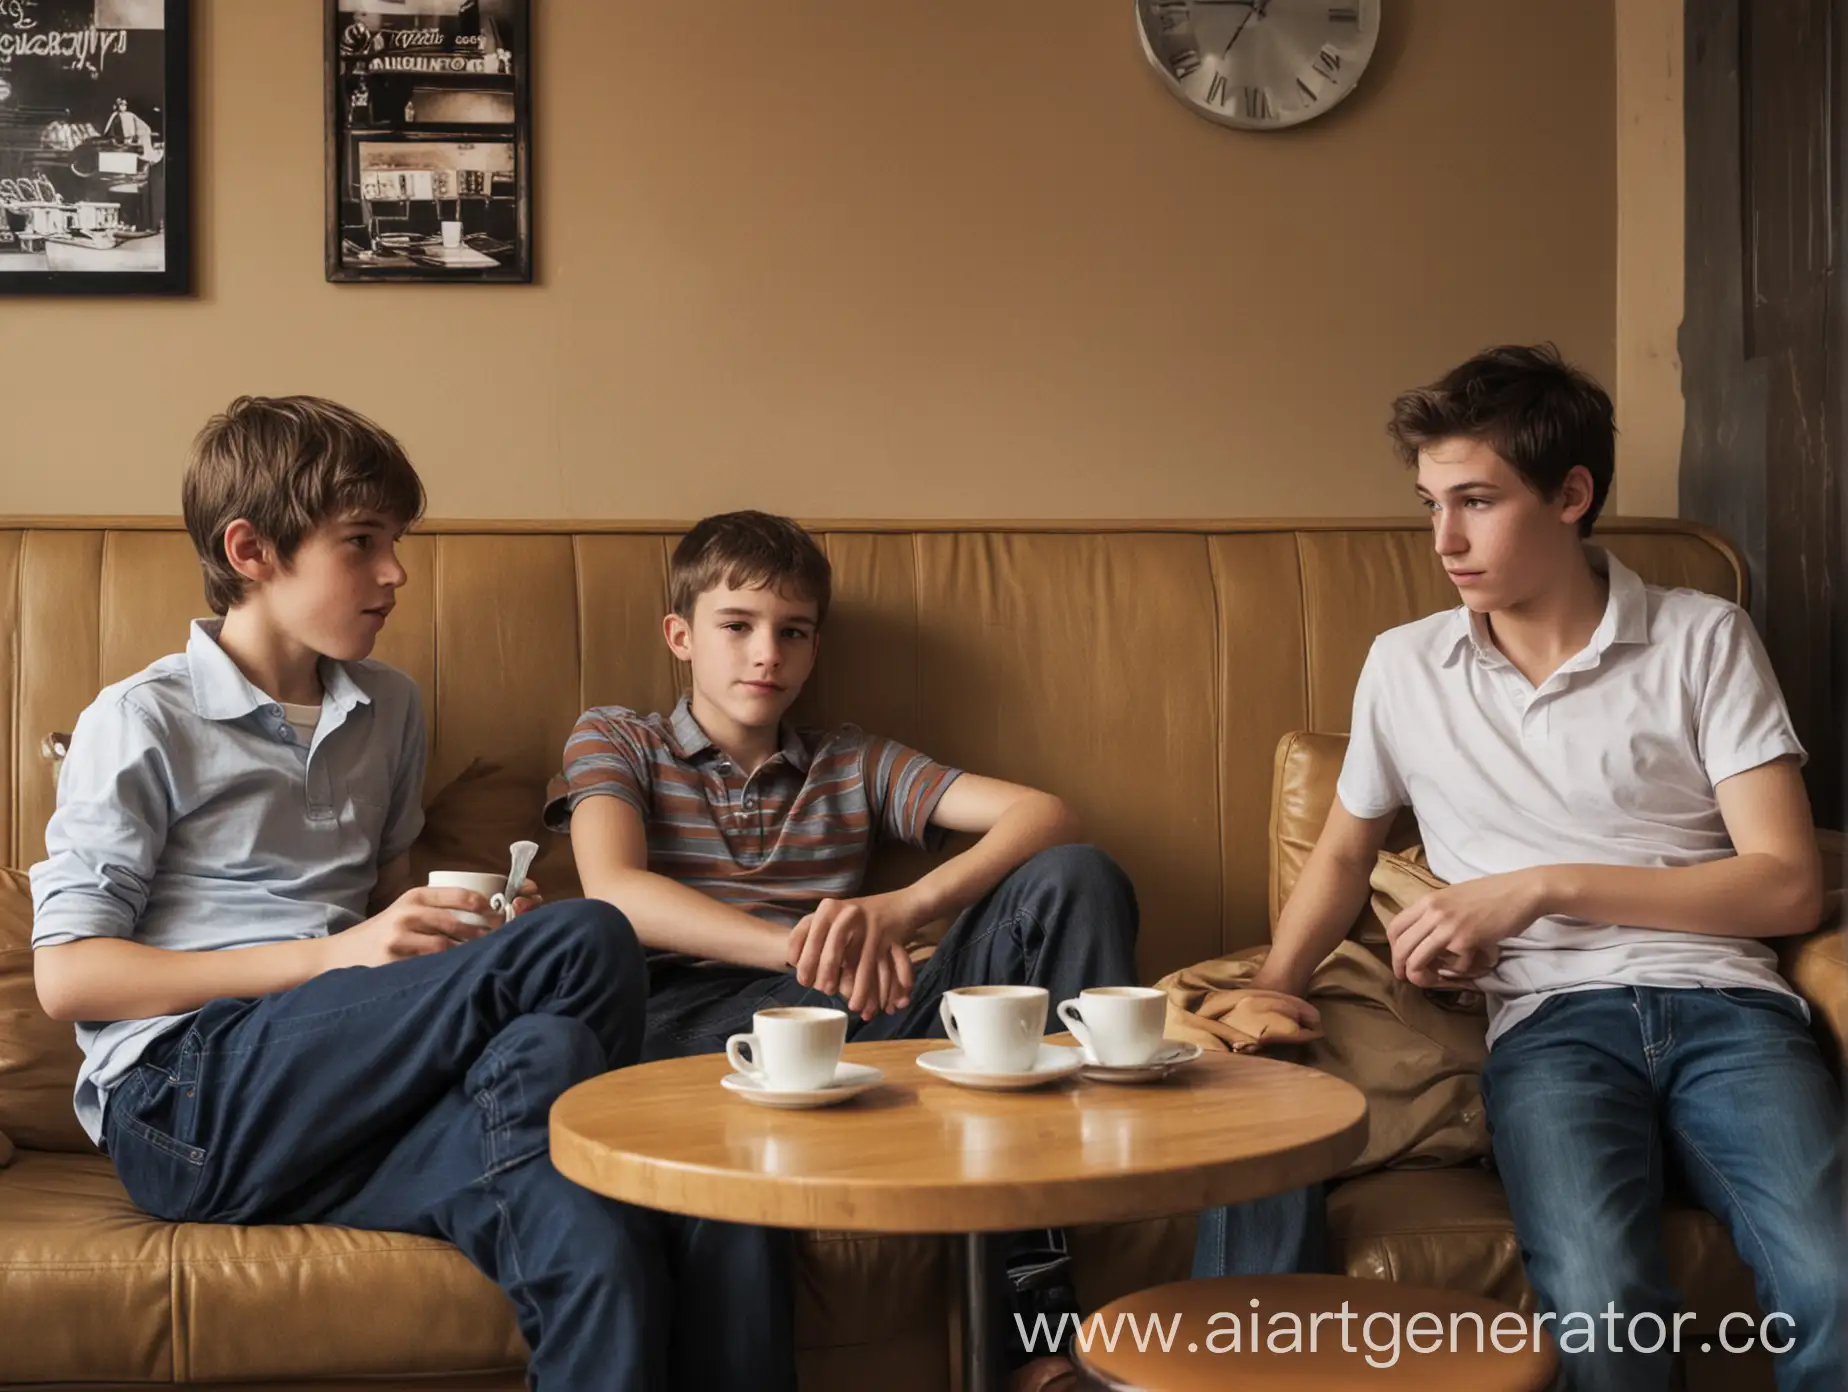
<point>493,909</point>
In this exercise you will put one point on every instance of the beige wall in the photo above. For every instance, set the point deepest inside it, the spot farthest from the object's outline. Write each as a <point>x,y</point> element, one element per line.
<point>944,259</point>
<point>1651,235</point>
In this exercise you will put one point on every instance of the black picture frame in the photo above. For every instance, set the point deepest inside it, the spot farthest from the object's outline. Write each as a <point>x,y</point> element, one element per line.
<point>96,132</point>
<point>429,114</point>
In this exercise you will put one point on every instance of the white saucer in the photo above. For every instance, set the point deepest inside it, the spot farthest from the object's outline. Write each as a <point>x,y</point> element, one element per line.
<point>850,1080</point>
<point>1167,1058</point>
<point>1055,1061</point>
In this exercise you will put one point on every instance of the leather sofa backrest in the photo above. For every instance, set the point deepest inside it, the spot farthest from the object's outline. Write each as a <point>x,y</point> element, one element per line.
<point>1144,671</point>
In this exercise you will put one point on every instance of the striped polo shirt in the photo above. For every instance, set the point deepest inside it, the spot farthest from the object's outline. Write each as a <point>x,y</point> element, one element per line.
<point>776,843</point>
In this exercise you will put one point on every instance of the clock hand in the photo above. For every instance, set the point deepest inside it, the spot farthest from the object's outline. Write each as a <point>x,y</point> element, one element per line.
<point>1251,14</point>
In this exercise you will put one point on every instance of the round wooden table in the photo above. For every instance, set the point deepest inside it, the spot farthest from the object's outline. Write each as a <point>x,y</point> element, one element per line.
<point>920,1155</point>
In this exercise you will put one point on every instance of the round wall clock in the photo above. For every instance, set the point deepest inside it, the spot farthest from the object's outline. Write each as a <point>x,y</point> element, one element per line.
<point>1259,64</point>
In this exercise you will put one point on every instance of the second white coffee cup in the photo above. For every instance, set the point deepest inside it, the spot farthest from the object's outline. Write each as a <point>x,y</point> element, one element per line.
<point>1119,1026</point>
<point>998,1028</point>
<point>791,1048</point>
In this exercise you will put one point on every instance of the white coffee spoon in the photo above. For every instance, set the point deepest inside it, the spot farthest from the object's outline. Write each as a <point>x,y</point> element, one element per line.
<point>522,853</point>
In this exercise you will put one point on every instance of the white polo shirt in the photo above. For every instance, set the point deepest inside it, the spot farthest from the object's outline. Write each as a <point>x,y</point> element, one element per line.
<point>1612,760</point>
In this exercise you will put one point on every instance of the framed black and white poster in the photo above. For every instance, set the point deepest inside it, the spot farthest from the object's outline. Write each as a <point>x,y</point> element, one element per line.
<point>429,169</point>
<point>95,139</point>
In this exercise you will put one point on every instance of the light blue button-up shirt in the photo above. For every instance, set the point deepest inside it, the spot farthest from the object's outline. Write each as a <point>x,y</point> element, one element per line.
<point>192,816</point>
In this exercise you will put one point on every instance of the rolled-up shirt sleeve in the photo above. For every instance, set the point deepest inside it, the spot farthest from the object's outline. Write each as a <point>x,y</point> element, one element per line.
<point>105,839</point>
<point>604,757</point>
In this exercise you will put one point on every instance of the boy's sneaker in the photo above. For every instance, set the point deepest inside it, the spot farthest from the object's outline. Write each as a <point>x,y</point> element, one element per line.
<point>1040,1298</point>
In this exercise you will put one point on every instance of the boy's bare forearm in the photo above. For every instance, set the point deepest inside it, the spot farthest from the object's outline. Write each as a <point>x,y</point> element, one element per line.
<point>1326,901</point>
<point>1028,827</point>
<point>119,979</point>
<point>671,917</point>
<point>1753,895</point>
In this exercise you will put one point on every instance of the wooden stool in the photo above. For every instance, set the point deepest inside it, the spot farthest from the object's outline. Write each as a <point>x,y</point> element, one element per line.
<point>1205,1353</point>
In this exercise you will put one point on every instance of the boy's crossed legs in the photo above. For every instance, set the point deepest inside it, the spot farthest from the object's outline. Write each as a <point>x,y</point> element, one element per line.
<point>414,1097</point>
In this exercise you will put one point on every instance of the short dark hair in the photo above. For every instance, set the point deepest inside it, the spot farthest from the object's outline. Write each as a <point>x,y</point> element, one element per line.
<point>1533,408</point>
<point>287,464</point>
<point>746,551</point>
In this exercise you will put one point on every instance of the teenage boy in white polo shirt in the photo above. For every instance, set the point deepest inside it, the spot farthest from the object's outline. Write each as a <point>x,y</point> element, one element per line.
<point>1605,773</point>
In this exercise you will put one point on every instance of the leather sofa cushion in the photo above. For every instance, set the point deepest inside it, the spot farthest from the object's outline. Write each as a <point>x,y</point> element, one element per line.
<point>84,1272</point>
<point>38,1055</point>
<point>261,1303</point>
<point>112,1295</point>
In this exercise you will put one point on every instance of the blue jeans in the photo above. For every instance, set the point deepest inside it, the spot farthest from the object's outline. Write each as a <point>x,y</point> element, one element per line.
<point>1589,1101</point>
<point>414,1097</point>
<point>1065,920</point>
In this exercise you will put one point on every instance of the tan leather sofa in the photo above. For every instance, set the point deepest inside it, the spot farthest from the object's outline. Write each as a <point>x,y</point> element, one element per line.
<point>1145,671</point>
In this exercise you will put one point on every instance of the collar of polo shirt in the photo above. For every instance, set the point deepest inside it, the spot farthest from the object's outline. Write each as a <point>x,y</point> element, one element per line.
<point>690,740</point>
<point>1626,617</point>
<point>222,692</point>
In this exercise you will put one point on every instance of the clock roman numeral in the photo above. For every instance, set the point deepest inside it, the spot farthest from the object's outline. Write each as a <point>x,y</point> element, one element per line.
<point>1307,90</point>
<point>1185,63</point>
<point>1328,63</point>
<point>1221,91</point>
<point>1257,104</point>
<point>1344,14</point>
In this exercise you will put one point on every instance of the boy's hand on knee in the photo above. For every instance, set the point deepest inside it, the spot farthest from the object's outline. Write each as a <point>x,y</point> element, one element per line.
<point>420,921</point>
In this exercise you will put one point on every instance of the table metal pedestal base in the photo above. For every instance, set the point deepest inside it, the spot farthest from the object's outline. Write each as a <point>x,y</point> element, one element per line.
<point>984,1367</point>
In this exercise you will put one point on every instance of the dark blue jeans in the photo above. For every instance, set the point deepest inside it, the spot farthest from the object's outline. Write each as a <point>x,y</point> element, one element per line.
<point>1065,920</point>
<point>1593,1102</point>
<point>414,1097</point>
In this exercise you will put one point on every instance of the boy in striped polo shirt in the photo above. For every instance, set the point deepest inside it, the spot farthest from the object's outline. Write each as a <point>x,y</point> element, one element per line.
<point>736,844</point>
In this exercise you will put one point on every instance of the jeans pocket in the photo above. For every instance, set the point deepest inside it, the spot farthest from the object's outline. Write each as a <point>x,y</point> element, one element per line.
<point>1758,998</point>
<point>160,1170</point>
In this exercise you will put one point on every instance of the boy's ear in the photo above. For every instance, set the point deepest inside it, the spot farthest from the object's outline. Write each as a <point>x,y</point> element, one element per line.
<point>679,635</point>
<point>249,553</point>
<point>1575,494</point>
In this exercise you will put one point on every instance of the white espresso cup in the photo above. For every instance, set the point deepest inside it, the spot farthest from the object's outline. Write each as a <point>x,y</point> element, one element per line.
<point>791,1048</point>
<point>998,1028</point>
<point>452,233</point>
<point>489,887</point>
<point>1119,1026</point>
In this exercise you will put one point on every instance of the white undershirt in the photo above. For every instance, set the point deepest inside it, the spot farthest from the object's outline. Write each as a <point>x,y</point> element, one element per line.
<point>303,718</point>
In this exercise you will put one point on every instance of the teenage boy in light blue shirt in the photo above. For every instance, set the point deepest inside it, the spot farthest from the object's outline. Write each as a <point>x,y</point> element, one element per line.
<point>278,1026</point>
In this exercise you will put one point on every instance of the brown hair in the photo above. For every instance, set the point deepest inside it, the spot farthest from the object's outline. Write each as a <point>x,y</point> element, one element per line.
<point>1533,408</point>
<point>744,551</point>
<point>287,464</point>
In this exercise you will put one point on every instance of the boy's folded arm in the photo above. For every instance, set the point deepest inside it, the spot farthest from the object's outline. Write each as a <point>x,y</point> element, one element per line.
<point>609,841</point>
<point>111,978</point>
<point>1771,888</point>
<point>1015,824</point>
